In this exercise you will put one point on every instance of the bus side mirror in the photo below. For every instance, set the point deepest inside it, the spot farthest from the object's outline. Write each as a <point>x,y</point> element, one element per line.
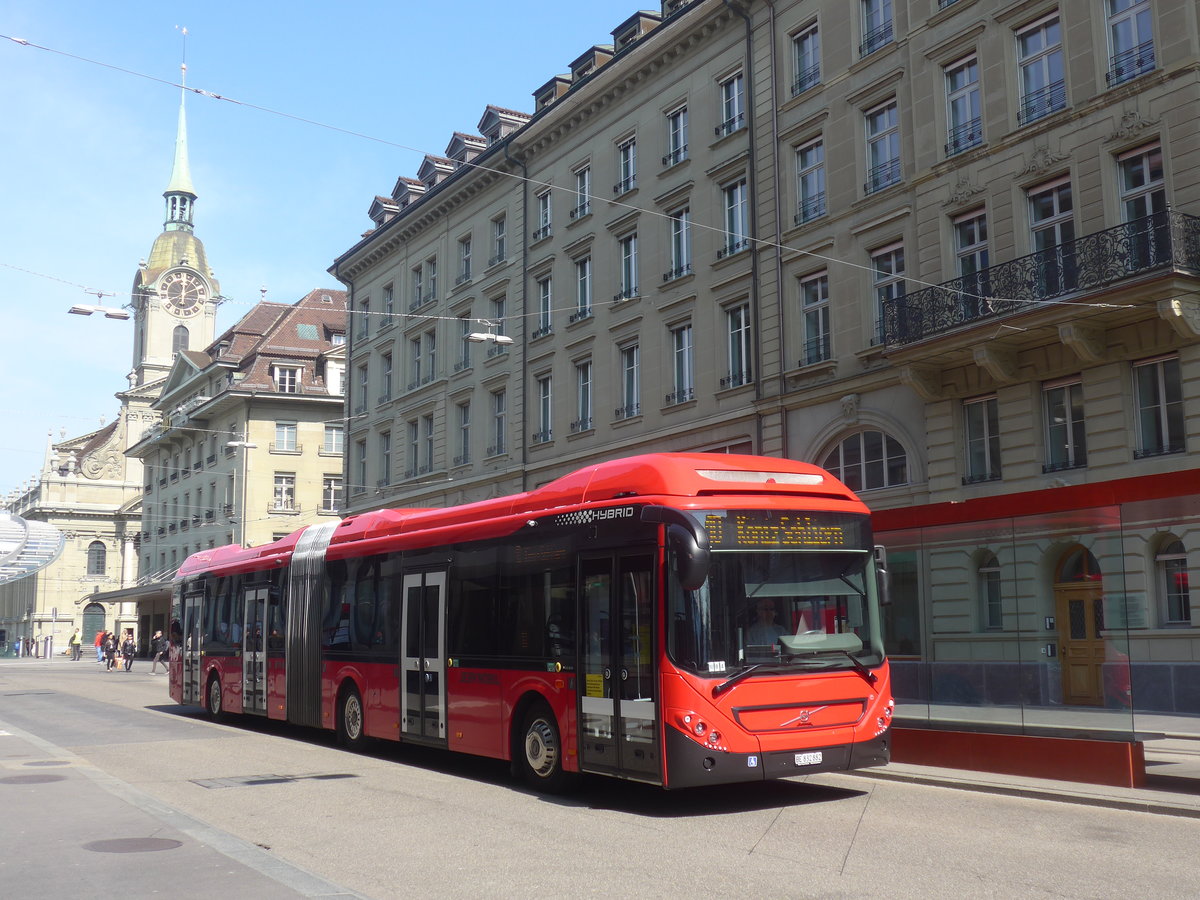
<point>883,581</point>
<point>691,560</point>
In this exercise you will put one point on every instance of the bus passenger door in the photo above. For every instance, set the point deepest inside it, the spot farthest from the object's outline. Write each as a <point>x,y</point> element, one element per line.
<point>619,710</point>
<point>190,651</point>
<point>423,657</point>
<point>254,657</point>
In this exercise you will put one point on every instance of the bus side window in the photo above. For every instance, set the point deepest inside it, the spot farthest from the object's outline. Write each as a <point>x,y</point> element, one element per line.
<point>335,627</point>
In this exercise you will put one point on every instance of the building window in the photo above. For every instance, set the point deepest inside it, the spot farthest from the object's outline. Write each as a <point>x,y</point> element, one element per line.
<point>583,192</point>
<point>681,245</point>
<point>1066,437</point>
<point>1053,231</point>
<point>626,167</point>
<point>990,604</point>
<point>545,410</point>
<point>385,378</point>
<point>629,273</point>
<point>1043,79</point>
<point>543,216</point>
<point>631,386</point>
<point>583,397</point>
<point>814,302</point>
<point>583,289</point>
<point>733,114</point>
<point>414,448</point>
<point>285,491</point>
<point>981,426</point>
<point>360,465</point>
<point>971,257</point>
<point>1131,35</point>
<point>888,266</point>
<point>364,317</point>
<point>389,305</point>
<point>810,181</point>
<point>684,365</point>
<point>1158,390</point>
<point>464,434</point>
<point>963,117</point>
<point>464,260</point>
<point>385,458</point>
<point>334,439</point>
<point>499,419</point>
<point>737,324</point>
<point>286,378</point>
<point>1143,203</point>
<point>876,25</point>
<point>806,59</point>
<point>677,136</point>
<point>545,308</point>
<point>499,240</point>
<point>427,439</point>
<point>285,438</point>
<point>737,219</point>
<point>883,147</point>
<point>179,339</point>
<point>867,461</point>
<point>331,493</point>
<point>418,287</point>
<point>1171,570</point>
<point>97,558</point>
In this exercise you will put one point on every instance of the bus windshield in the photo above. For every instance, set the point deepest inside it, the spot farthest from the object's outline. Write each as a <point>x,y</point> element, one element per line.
<point>778,611</point>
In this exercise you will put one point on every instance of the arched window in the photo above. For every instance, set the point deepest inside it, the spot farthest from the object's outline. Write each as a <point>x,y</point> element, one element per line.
<point>1080,565</point>
<point>179,339</point>
<point>1170,565</point>
<point>97,558</point>
<point>868,460</point>
<point>988,580</point>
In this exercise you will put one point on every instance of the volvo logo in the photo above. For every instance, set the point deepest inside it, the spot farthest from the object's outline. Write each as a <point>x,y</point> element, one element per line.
<point>804,718</point>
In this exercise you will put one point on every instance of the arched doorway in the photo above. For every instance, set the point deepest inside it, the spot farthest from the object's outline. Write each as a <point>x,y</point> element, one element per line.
<point>1079,607</point>
<point>93,621</point>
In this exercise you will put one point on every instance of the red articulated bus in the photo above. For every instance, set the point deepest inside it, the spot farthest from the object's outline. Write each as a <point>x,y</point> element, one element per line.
<point>679,619</point>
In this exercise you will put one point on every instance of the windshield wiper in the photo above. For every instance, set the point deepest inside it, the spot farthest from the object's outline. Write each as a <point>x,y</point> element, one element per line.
<point>854,661</point>
<point>735,678</point>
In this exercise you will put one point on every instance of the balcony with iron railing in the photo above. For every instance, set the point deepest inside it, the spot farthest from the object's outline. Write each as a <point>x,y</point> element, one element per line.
<point>812,207</point>
<point>1041,102</point>
<point>875,38</point>
<point>1131,63</point>
<point>805,79</point>
<point>1167,241</point>
<point>964,137</point>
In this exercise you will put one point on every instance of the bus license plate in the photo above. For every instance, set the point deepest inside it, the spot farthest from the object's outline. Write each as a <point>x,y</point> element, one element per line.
<point>808,759</point>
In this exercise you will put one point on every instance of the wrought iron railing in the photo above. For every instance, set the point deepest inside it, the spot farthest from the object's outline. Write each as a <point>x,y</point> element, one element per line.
<point>1131,63</point>
<point>806,79</point>
<point>1164,240</point>
<point>875,38</point>
<point>1042,102</point>
<point>964,137</point>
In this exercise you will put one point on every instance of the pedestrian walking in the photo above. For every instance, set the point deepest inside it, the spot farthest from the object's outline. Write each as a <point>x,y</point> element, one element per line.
<point>100,645</point>
<point>159,647</point>
<point>110,651</point>
<point>128,649</point>
<point>76,645</point>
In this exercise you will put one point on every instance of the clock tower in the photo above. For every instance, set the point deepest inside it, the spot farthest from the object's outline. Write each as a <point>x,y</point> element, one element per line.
<point>174,291</point>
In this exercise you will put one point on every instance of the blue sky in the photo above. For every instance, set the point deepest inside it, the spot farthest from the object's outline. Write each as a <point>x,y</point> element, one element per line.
<point>85,153</point>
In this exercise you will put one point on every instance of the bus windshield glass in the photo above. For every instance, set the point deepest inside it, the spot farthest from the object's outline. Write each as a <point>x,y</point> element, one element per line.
<point>779,610</point>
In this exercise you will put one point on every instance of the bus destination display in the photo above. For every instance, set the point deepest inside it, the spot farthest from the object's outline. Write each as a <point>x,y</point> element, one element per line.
<point>758,529</point>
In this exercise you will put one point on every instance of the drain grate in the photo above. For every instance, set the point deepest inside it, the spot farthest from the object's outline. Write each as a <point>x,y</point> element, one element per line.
<point>216,784</point>
<point>132,845</point>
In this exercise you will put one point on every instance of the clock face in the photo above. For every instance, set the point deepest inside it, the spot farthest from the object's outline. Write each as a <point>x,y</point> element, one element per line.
<point>183,292</point>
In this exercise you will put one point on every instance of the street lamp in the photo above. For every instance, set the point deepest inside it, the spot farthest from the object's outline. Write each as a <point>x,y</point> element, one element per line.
<point>110,312</point>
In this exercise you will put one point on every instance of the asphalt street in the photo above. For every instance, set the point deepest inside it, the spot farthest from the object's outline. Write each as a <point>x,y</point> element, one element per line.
<point>104,781</point>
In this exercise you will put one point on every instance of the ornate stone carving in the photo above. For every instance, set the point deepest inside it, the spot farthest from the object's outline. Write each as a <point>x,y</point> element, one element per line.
<point>963,191</point>
<point>1132,124</point>
<point>999,362</point>
<point>1090,344</point>
<point>850,408</point>
<point>1042,160</point>
<point>925,380</point>
<point>1183,314</point>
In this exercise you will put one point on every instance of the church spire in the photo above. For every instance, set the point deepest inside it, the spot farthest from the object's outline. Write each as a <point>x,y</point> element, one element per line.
<point>180,194</point>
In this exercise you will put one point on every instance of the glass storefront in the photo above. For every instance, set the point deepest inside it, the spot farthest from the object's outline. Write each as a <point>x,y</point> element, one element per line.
<point>1077,620</point>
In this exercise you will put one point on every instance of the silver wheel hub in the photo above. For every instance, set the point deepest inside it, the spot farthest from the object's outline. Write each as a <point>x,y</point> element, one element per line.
<point>541,748</point>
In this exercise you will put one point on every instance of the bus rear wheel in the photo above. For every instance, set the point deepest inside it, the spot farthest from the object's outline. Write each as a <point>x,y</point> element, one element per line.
<point>214,696</point>
<point>350,719</point>
<point>541,752</point>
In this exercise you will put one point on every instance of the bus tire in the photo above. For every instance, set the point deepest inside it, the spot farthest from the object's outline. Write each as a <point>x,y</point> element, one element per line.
<point>213,696</point>
<point>351,719</point>
<point>541,752</point>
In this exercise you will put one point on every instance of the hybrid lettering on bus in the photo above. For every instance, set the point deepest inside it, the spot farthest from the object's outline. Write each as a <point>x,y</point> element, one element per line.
<point>675,619</point>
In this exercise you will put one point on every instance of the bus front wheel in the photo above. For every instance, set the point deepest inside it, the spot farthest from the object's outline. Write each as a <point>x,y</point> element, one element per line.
<point>541,751</point>
<point>214,696</point>
<point>350,720</point>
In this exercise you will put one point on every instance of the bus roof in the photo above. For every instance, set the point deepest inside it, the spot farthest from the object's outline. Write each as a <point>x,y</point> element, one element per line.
<point>657,475</point>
